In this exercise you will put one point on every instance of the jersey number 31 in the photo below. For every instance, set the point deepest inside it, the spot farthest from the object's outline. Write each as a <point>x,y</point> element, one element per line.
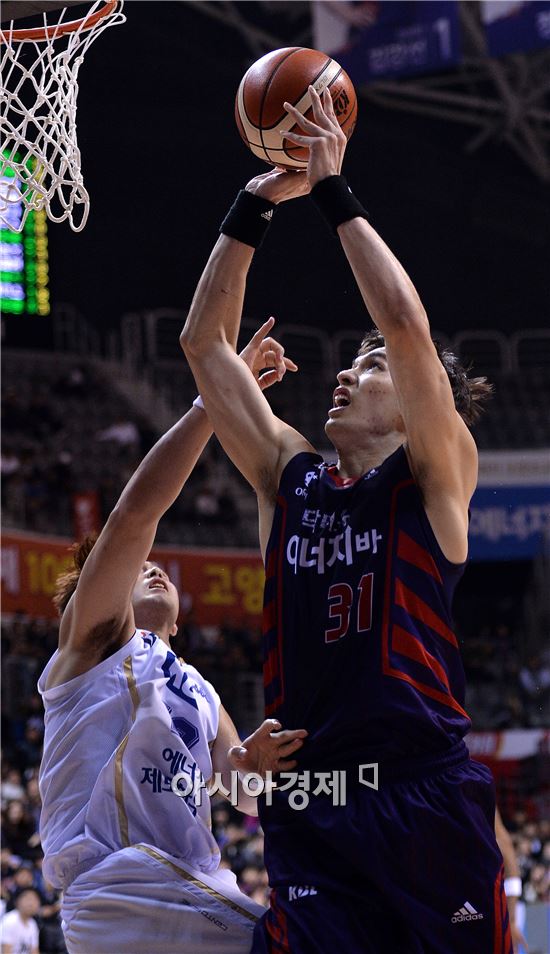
<point>341,602</point>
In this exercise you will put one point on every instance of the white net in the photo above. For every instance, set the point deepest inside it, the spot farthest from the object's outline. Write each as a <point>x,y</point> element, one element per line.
<point>40,160</point>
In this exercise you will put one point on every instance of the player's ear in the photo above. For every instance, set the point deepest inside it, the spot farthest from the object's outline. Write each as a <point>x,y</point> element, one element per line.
<point>174,630</point>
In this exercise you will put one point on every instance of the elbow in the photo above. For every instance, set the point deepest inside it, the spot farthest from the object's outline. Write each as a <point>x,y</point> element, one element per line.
<point>189,341</point>
<point>134,514</point>
<point>196,344</point>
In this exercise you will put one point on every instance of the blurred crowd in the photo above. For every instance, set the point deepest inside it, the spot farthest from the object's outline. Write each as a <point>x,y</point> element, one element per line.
<point>67,433</point>
<point>503,692</point>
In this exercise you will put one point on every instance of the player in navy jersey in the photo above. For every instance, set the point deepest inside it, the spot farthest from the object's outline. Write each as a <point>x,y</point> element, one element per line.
<point>362,560</point>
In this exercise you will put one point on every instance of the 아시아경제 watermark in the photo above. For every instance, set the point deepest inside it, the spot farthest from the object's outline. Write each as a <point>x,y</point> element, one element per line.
<point>301,785</point>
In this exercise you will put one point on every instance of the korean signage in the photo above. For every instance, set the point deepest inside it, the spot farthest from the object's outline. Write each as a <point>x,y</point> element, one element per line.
<point>378,40</point>
<point>222,584</point>
<point>510,510</point>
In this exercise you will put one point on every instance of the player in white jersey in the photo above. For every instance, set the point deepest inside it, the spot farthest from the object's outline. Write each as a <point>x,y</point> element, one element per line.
<point>126,722</point>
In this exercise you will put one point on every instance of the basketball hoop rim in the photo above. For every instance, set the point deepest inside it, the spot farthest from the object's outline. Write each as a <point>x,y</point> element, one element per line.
<point>41,34</point>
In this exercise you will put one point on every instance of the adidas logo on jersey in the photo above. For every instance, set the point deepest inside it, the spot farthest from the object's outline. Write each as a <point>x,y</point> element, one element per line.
<point>300,891</point>
<point>267,215</point>
<point>466,913</point>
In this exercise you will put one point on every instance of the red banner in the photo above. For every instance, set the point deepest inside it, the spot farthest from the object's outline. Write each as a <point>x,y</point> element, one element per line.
<point>222,584</point>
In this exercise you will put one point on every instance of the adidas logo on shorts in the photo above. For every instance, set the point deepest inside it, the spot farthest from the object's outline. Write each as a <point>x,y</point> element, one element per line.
<point>466,913</point>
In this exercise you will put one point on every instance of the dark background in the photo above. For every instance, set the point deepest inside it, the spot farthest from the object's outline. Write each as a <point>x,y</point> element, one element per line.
<point>162,161</point>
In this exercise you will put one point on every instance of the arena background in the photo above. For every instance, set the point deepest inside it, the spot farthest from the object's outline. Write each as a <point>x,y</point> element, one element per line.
<point>459,188</point>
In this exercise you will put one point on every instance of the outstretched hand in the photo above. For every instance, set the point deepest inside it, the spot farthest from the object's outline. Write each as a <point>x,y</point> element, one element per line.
<point>279,185</point>
<point>267,749</point>
<point>263,352</point>
<point>325,140</point>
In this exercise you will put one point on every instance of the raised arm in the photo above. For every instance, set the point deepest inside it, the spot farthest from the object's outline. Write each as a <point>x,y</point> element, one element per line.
<point>99,614</point>
<point>256,440</point>
<point>440,448</point>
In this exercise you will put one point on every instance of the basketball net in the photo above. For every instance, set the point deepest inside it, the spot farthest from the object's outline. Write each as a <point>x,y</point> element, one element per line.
<point>40,160</point>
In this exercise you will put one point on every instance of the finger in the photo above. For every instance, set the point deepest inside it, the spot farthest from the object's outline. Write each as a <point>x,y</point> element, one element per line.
<point>329,106</point>
<point>299,140</point>
<point>290,749</point>
<point>271,359</point>
<point>237,752</point>
<point>301,120</point>
<point>272,352</point>
<point>270,725</point>
<point>318,108</point>
<point>289,364</point>
<point>260,334</point>
<point>267,379</point>
<point>289,735</point>
<point>270,342</point>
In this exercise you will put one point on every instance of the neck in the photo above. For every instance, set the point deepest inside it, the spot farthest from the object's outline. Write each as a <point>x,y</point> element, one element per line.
<point>162,630</point>
<point>355,461</point>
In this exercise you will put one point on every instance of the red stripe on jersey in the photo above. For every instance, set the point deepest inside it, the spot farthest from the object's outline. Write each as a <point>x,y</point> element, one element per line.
<point>387,668</point>
<point>407,645</point>
<point>497,908</point>
<point>277,928</point>
<point>270,566</point>
<point>271,667</point>
<point>442,697</point>
<point>272,708</point>
<point>412,552</point>
<point>416,607</point>
<point>269,616</point>
<point>388,580</point>
<point>503,933</point>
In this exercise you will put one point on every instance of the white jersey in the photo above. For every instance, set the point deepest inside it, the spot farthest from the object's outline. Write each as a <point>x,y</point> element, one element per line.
<point>21,935</point>
<point>115,737</point>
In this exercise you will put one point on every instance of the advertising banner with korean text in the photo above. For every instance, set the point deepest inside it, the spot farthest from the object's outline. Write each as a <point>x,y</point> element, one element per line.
<point>515,26</point>
<point>219,584</point>
<point>510,510</point>
<point>377,40</point>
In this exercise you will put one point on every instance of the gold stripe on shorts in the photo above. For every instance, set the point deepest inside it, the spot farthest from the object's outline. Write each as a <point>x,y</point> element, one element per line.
<point>199,884</point>
<point>119,795</point>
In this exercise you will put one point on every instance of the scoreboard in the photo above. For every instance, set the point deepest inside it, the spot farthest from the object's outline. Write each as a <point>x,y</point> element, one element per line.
<point>24,268</point>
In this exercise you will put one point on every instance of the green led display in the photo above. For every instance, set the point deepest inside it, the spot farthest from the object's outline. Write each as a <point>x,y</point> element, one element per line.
<point>24,270</point>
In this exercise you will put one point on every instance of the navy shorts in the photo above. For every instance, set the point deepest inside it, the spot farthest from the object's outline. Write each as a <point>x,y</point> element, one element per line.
<point>410,868</point>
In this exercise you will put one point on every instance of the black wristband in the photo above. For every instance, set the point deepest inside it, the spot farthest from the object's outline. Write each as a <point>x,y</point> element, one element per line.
<point>336,202</point>
<point>248,218</point>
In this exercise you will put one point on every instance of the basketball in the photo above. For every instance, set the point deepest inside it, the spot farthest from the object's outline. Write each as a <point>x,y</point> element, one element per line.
<point>284,76</point>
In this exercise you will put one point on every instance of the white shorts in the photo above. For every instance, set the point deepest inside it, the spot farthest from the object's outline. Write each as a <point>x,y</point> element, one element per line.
<point>142,901</point>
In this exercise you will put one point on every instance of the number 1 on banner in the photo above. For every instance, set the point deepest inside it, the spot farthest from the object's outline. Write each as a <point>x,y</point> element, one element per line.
<point>340,597</point>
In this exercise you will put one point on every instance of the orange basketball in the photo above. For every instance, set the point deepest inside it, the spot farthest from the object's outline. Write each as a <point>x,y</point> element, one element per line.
<point>284,76</point>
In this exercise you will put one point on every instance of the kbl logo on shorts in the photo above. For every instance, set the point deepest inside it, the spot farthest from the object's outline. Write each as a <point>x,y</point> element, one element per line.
<point>300,891</point>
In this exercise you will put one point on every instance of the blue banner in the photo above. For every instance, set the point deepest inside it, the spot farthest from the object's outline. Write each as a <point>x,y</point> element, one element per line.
<point>375,40</point>
<point>513,26</point>
<point>509,523</point>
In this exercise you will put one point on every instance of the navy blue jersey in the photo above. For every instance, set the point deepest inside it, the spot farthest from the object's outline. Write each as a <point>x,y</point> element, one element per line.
<point>358,634</point>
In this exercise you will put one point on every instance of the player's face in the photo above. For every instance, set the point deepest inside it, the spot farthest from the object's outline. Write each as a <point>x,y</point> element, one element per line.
<point>155,598</point>
<point>365,402</point>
